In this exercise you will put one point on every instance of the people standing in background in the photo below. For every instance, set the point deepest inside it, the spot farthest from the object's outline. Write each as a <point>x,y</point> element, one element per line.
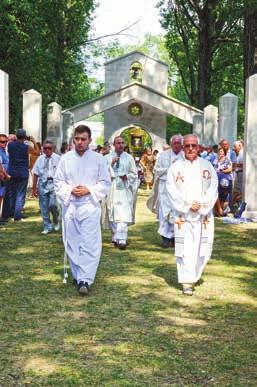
<point>147,162</point>
<point>223,167</point>
<point>4,162</point>
<point>19,172</point>
<point>43,186</point>
<point>238,166</point>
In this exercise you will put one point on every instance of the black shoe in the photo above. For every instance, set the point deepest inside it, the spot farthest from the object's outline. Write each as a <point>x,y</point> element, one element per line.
<point>166,242</point>
<point>122,245</point>
<point>83,288</point>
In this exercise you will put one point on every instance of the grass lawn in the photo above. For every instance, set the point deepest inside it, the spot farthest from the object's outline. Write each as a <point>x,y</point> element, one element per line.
<point>135,328</point>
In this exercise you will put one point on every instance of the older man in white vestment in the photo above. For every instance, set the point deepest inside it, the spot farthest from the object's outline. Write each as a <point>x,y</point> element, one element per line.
<point>165,160</point>
<point>122,196</point>
<point>81,182</point>
<point>192,186</point>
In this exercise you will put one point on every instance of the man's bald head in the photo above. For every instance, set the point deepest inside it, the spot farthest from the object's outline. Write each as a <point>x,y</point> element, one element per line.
<point>191,146</point>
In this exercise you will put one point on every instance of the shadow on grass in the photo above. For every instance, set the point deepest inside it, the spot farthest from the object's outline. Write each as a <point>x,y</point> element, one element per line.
<point>135,328</point>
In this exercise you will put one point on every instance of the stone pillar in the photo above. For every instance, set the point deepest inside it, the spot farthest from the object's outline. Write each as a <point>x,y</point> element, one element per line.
<point>228,117</point>
<point>198,126</point>
<point>4,103</point>
<point>67,125</point>
<point>54,124</point>
<point>32,114</point>
<point>250,149</point>
<point>210,131</point>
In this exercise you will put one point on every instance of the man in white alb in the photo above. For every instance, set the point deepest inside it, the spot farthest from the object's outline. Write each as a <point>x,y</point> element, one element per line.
<point>192,187</point>
<point>81,182</point>
<point>122,196</point>
<point>162,201</point>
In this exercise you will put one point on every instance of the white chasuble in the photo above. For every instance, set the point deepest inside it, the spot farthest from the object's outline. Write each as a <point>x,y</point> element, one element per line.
<point>187,182</point>
<point>121,199</point>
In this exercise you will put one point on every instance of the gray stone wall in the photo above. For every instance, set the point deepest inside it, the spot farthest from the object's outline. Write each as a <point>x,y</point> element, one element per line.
<point>117,72</point>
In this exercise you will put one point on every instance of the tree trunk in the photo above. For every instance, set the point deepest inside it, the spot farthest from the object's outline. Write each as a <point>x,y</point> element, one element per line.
<point>250,41</point>
<point>206,33</point>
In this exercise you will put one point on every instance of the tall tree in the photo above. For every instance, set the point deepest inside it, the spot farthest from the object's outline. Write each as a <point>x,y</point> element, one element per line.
<point>41,47</point>
<point>196,34</point>
<point>250,38</point>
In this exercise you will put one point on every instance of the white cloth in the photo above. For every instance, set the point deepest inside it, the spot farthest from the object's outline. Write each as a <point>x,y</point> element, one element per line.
<point>81,216</point>
<point>187,182</point>
<point>121,200</point>
<point>165,160</point>
<point>119,231</point>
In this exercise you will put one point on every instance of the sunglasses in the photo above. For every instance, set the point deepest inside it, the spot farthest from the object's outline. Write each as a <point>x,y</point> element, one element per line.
<point>47,147</point>
<point>3,142</point>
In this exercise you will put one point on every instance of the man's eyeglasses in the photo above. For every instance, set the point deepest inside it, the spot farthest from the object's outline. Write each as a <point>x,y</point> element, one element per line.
<point>188,146</point>
<point>47,148</point>
<point>3,142</point>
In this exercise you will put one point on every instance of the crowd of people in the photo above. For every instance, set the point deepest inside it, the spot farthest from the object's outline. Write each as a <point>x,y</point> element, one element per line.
<point>88,188</point>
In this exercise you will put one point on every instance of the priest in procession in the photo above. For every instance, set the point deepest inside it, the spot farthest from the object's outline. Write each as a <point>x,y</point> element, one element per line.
<point>81,183</point>
<point>192,188</point>
<point>159,201</point>
<point>121,199</point>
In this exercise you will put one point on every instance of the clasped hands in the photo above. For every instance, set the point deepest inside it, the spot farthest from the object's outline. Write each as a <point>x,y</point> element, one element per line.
<point>195,206</point>
<point>80,190</point>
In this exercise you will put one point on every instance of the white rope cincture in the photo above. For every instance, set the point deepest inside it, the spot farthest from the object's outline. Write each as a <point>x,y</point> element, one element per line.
<point>65,257</point>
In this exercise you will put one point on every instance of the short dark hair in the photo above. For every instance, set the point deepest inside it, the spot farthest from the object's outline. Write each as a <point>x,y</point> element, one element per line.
<point>3,135</point>
<point>82,129</point>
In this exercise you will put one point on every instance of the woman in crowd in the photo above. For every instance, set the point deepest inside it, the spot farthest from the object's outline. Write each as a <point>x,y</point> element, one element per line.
<point>223,167</point>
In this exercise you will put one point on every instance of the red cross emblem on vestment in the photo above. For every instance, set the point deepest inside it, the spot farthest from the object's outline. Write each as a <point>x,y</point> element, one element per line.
<point>180,177</point>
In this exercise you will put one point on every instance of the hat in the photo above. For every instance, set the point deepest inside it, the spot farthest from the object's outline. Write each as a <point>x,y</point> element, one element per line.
<point>21,133</point>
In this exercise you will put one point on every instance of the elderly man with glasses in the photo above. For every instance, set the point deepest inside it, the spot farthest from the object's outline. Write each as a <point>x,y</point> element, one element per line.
<point>43,186</point>
<point>192,187</point>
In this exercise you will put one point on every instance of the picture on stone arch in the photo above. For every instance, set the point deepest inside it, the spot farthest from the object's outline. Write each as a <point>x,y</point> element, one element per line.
<point>136,140</point>
<point>136,72</point>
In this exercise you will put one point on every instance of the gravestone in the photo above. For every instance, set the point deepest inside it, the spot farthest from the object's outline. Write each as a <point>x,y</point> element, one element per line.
<point>198,126</point>
<point>250,150</point>
<point>228,117</point>
<point>54,124</point>
<point>32,114</point>
<point>4,103</point>
<point>210,131</point>
<point>67,125</point>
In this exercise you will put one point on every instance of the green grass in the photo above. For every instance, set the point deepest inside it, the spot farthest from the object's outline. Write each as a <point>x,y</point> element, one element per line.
<point>135,328</point>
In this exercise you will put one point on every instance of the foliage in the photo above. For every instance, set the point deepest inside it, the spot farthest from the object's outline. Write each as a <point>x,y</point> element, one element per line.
<point>205,40</point>
<point>135,328</point>
<point>41,48</point>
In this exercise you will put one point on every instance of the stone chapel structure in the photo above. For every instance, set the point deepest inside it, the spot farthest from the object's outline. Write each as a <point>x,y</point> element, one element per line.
<point>135,103</point>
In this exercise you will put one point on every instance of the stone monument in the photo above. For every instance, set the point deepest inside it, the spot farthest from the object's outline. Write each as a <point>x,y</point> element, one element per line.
<point>54,124</point>
<point>250,150</point>
<point>228,117</point>
<point>32,114</point>
<point>4,103</point>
